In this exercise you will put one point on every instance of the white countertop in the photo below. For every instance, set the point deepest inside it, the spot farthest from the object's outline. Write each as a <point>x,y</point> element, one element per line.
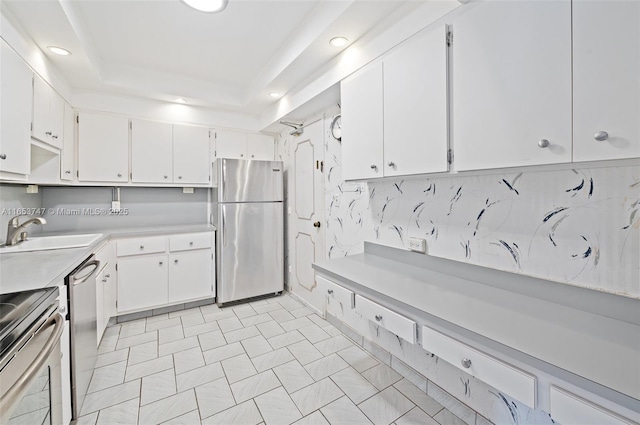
<point>588,333</point>
<point>37,269</point>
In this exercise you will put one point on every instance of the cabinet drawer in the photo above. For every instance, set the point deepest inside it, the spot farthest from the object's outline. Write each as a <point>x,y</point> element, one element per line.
<point>337,297</point>
<point>190,241</point>
<point>140,246</point>
<point>569,409</point>
<point>494,372</point>
<point>390,320</point>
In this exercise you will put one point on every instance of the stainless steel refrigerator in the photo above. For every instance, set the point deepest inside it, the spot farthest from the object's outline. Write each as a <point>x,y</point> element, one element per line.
<point>250,229</point>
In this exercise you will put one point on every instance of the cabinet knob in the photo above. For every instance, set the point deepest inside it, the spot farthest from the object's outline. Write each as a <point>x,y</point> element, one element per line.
<point>378,317</point>
<point>466,363</point>
<point>55,136</point>
<point>543,143</point>
<point>107,276</point>
<point>374,167</point>
<point>180,177</point>
<point>175,261</point>
<point>141,246</point>
<point>329,291</point>
<point>166,177</point>
<point>391,164</point>
<point>190,243</point>
<point>48,133</point>
<point>160,263</point>
<point>252,156</point>
<point>241,155</point>
<point>67,172</point>
<point>316,224</point>
<point>601,136</point>
<point>3,156</point>
<point>104,280</point>
<point>119,175</point>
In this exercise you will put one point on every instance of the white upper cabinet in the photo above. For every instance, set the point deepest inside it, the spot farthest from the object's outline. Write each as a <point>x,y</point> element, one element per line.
<point>606,79</point>
<point>191,154</point>
<point>103,148</point>
<point>48,113</point>
<point>151,152</point>
<point>415,105</point>
<point>362,124</point>
<point>260,146</point>
<point>66,157</point>
<point>512,84</point>
<point>240,145</point>
<point>15,112</point>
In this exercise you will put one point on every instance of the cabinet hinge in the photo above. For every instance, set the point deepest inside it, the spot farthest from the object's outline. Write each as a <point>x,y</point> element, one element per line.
<point>116,266</point>
<point>449,38</point>
<point>322,166</point>
<point>450,156</point>
<point>78,174</point>
<point>116,304</point>
<point>130,176</point>
<point>31,125</point>
<point>78,119</point>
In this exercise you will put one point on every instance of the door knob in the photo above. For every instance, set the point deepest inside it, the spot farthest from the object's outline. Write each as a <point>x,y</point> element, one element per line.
<point>316,224</point>
<point>3,156</point>
<point>601,136</point>
<point>466,363</point>
<point>543,143</point>
<point>378,317</point>
<point>329,291</point>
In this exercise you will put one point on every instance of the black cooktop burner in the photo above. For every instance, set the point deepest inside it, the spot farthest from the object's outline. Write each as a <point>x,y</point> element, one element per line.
<point>19,310</point>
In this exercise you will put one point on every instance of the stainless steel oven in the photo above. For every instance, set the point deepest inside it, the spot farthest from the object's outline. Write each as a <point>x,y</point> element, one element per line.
<point>30,359</point>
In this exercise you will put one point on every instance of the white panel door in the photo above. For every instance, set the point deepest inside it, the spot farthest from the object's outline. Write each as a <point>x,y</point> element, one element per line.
<point>103,148</point>
<point>142,282</point>
<point>415,105</point>
<point>190,275</point>
<point>191,154</point>
<point>512,84</point>
<point>362,126</point>
<point>66,156</point>
<point>151,152</point>
<point>606,79</point>
<point>306,201</point>
<point>231,144</point>
<point>15,112</point>
<point>260,146</point>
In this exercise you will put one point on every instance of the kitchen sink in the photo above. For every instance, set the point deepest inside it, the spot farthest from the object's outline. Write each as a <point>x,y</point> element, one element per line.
<point>44,243</point>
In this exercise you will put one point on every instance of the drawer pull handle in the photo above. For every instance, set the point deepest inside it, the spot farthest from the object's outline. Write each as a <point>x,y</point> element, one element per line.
<point>378,317</point>
<point>329,291</point>
<point>466,363</point>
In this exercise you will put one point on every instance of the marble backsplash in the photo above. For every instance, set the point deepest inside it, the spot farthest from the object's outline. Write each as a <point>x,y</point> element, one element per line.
<point>575,226</point>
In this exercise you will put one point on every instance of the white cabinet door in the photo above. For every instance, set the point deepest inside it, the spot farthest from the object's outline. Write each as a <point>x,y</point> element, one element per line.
<point>415,105</point>
<point>606,82</point>
<point>260,146</point>
<point>48,113</point>
<point>190,275</point>
<point>66,157</point>
<point>103,148</point>
<point>142,282</point>
<point>569,409</point>
<point>231,144</point>
<point>362,125</point>
<point>512,84</point>
<point>191,154</point>
<point>151,152</point>
<point>15,112</point>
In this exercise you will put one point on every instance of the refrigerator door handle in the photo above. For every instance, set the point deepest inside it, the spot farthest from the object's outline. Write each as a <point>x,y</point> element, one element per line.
<point>224,228</point>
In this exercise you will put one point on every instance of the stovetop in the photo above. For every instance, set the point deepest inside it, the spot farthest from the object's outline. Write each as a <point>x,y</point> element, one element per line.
<point>19,310</point>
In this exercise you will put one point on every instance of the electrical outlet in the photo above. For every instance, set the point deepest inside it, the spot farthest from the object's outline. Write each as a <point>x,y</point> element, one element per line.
<point>187,190</point>
<point>418,245</point>
<point>32,188</point>
<point>115,206</point>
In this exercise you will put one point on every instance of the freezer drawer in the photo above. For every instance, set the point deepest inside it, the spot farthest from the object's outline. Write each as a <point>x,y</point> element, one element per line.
<point>249,250</point>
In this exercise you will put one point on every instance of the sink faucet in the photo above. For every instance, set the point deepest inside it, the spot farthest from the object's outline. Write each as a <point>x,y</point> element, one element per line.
<point>15,231</point>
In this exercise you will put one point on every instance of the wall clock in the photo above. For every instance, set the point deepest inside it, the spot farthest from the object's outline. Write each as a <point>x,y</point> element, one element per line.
<point>336,128</point>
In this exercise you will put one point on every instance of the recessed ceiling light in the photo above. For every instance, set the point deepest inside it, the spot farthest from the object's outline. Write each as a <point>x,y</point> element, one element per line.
<point>180,100</point>
<point>59,51</point>
<point>274,94</point>
<point>338,41</point>
<point>207,6</point>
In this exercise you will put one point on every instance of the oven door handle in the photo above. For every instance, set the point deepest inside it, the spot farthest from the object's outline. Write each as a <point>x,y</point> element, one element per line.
<point>12,394</point>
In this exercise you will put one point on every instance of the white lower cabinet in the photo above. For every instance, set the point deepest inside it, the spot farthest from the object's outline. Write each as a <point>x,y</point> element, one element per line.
<point>142,282</point>
<point>190,275</point>
<point>513,381</point>
<point>105,288</point>
<point>161,270</point>
<point>390,320</point>
<point>569,409</point>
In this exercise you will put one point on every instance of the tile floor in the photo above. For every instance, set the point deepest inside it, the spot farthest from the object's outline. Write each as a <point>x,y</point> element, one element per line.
<point>271,361</point>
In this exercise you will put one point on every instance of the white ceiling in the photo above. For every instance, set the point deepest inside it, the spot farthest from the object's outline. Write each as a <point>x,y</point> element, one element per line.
<point>163,49</point>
